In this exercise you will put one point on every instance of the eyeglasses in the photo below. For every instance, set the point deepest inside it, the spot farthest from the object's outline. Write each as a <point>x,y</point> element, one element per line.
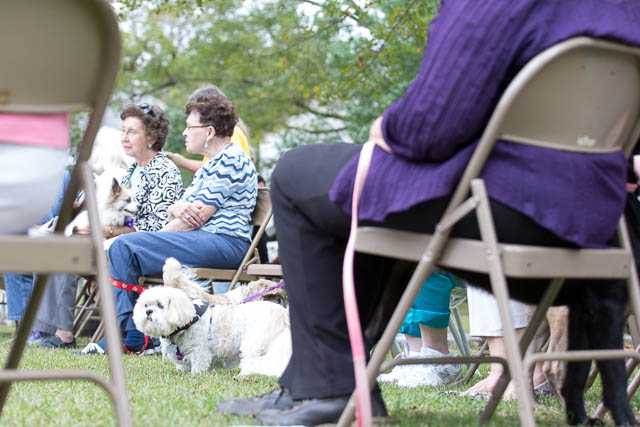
<point>146,108</point>
<point>189,128</point>
<point>130,132</point>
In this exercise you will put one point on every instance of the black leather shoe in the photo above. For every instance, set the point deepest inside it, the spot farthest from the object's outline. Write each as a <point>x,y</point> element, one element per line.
<point>312,412</point>
<point>276,399</point>
<point>54,341</point>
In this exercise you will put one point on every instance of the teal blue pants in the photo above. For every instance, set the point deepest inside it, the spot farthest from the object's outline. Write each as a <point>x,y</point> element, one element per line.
<point>431,307</point>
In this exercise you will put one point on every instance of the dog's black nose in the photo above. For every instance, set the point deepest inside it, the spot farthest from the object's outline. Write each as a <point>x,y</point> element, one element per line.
<point>149,312</point>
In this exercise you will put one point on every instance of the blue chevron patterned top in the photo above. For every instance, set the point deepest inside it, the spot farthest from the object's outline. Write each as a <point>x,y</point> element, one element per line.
<point>229,182</point>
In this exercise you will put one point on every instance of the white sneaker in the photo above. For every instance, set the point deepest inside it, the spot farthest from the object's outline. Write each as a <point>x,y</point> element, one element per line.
<point>400,371</point>
<point>431,375</point>
<point>92,348</point>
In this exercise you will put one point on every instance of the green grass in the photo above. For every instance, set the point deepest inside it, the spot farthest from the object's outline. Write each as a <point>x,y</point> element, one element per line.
<point>161,396</point>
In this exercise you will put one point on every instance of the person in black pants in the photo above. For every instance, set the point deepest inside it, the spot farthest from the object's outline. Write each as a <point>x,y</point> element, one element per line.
<point>312,236</point>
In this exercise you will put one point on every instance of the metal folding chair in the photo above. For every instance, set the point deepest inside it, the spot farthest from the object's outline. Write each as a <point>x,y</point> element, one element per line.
<point>62,56</point>
<point>581,95</point>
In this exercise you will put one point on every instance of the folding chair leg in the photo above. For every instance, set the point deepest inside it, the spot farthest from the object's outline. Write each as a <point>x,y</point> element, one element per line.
<point>633,284</point>
<point>116,387</point>
<point>456,337</point>
<point>422,271</point>
<point>633,330</point>
<point>116,365</point>
<point>84,313</point>
<point>99,333</point>
<point>499,287</point>
<point>373,367</point>
<point>474,366</point>
<point>23,332</point>
<point>631,389</point>
<point>465,349</point>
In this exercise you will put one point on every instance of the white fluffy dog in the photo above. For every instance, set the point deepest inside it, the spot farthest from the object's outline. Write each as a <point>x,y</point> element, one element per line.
<point>197,337</point>
<point>115,203</point>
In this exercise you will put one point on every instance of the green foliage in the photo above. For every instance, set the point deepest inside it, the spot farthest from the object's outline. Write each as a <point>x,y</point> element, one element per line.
<point>307,71</point>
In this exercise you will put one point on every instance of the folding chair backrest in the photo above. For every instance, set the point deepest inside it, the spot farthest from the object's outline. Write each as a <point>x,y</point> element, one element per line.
<point>75,69</point>
<point>593,85</point>
<point>262,212</point>
<point>41,73</point>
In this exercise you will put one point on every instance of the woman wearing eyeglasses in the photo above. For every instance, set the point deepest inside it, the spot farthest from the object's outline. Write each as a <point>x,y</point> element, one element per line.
<point>156,184</point>
<point>156,180</point>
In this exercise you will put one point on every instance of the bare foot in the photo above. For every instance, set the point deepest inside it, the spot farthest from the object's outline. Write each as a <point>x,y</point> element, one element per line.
<point>481,387</point>
<point>487,385</point>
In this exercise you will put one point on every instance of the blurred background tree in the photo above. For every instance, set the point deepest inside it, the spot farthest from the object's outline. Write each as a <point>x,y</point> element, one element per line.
<point>299,72</point>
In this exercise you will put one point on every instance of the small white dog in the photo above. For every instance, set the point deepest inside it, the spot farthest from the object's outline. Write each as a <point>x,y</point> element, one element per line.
<point>198,337</point>
<point>115,204</point>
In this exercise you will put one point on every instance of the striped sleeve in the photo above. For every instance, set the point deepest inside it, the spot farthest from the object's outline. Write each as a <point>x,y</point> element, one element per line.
<point>225,179</point>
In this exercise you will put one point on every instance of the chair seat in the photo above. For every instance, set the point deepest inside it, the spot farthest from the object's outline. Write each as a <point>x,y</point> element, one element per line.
<point>266,270</point>
<point>73,254</point>
<point>518,260</point>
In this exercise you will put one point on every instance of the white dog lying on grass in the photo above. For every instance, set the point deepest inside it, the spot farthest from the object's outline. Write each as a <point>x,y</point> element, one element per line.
<point>198,337</point>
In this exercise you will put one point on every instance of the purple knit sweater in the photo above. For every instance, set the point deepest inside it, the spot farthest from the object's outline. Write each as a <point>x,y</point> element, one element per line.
<point>474,50</point>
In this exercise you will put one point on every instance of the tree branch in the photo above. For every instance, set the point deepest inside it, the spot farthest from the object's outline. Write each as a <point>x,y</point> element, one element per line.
<point>384,41</point>
<point>299,103</point>
<point>316,131</point>
<point>310,2</point>
<point>169,83</point>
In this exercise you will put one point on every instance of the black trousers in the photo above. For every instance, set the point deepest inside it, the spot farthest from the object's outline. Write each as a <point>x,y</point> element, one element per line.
<point>312,234</point>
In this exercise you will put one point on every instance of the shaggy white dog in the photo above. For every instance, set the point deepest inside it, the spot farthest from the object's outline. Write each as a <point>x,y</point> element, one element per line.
<point>198,337</point>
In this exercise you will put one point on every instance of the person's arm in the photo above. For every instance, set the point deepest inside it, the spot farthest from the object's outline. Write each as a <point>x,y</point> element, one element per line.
<point>472,53</point>
<point>184,216</point>
<point>108,231</point>
<point>191,165</point>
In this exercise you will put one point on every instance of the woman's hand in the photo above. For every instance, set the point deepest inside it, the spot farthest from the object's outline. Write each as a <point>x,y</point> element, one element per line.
<point>83,231</point>
<point>176,158</point>
<point>197,212</point>
<point>192,214</point>
<point>107,231</point>
<point>375,132</point>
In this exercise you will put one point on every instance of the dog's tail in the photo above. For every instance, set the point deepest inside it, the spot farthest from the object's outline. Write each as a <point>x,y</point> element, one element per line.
<point>177,276</point>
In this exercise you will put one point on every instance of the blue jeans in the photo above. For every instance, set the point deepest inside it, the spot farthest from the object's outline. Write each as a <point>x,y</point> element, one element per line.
<point>18,288</point>
<point>143,254</point>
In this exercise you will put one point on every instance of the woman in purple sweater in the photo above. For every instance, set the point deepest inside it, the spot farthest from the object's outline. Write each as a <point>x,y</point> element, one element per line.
<point>538,196</point>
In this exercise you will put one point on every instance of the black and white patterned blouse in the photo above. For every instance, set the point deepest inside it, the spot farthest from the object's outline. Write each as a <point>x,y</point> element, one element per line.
<point>160,187</point>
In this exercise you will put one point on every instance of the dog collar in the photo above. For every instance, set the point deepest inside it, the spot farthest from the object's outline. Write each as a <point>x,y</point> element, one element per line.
<point>201,307</point>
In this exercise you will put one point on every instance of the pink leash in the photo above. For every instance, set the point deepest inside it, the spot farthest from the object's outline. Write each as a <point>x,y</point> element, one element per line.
<point>363,395</point>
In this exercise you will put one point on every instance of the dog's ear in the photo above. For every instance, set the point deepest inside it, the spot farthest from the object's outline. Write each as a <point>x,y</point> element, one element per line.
<point>178,308</point>
<point>115,187</point>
